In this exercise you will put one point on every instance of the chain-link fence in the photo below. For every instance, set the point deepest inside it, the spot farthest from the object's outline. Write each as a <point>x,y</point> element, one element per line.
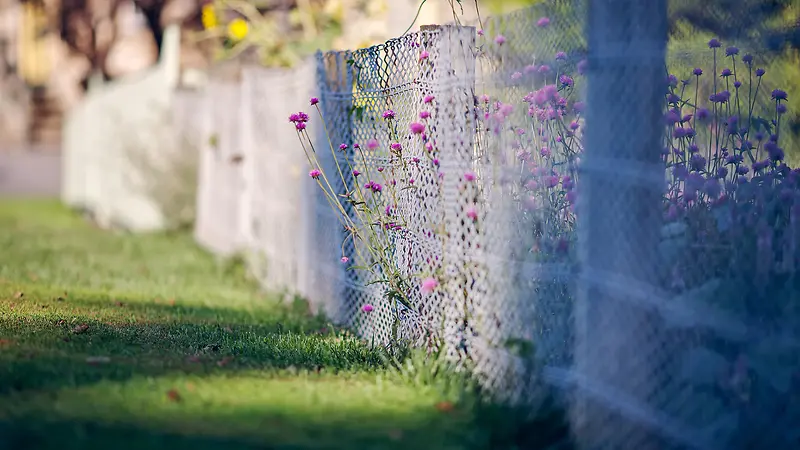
<point>552,204</point>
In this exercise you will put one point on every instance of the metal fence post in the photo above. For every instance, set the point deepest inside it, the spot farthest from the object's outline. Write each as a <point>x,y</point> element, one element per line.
<point>619,218</point>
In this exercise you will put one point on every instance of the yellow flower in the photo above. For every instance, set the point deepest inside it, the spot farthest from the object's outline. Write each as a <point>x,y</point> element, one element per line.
<point>238,29</point>
<point>209,17</point>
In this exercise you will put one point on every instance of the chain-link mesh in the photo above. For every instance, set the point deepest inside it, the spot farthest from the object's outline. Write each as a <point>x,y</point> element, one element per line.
<point>509,151</point>
<point>621,228</point>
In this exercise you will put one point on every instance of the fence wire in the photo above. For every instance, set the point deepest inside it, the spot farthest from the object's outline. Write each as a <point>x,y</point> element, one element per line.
<point>645,266</point>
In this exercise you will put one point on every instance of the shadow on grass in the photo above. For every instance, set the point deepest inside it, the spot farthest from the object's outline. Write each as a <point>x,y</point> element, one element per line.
<point>93,340</point>
<point>267,376</point>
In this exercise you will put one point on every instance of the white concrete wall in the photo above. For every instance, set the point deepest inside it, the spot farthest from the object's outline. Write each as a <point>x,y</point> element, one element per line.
<point>115,139</point>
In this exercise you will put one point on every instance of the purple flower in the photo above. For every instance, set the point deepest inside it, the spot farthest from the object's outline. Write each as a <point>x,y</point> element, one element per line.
<point>566,80</point>
<point>779,95</point>
<point>781,108</point>
<point>428,99</point>
<point>500,39</point>
<point>760,72</point>
<point>730,51</point>
<point>720,97</point>
<point>672,117</point>
<point>697,162</point>
<point>314,101</point>
<point>356,173</point>
<point>389,114</point>
<point>760,165</point>
<point>367,308</point>
<point>747,58</point>
<point>543,22</point>
<point>294,118</point>
<point>545,152</point>
<point>734,159</point>
<point>733,125</point>
<point>775,153</point>
<point>300,126</point>
<point>702,114</point>
<point>561,56</point>
<point>712,188</point>
<point>722,172</point>
<point>714,43</point>
<point>672,80</point>
<point>396,147</point>
<point>372,144</point>
<point>679,171</point>
<point>315,174</point>
<point>342,147</point>
<point>424,115</point>
<point>417,128</point>
<point>737,84</point>
<point>725,72</point>
<point>697,71</point>
<point>344,259</point>
<point>469,176</point>
<point>423,55</point>
<point>380,169</point>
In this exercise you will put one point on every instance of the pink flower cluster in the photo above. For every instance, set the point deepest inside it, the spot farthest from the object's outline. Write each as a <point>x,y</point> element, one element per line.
<point>299,120</point>
<point>547,103</point>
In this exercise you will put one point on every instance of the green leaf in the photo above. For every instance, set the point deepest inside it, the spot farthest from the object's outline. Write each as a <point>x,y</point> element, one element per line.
<point>520,347</point>
<point>359,113</point>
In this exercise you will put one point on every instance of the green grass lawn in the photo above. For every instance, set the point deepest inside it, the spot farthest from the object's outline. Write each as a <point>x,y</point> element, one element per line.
<point>110,340</point>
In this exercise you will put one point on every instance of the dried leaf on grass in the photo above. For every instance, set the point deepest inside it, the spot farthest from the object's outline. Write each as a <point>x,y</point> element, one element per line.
<point>173,395</point>
<point>445,407</point>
